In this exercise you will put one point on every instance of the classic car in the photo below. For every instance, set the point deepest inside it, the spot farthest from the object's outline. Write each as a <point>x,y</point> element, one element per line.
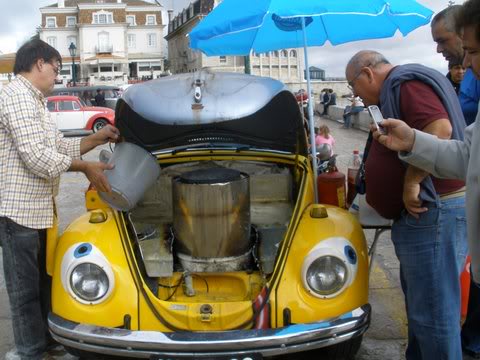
<point>227,255</point>
<point>71,113</point>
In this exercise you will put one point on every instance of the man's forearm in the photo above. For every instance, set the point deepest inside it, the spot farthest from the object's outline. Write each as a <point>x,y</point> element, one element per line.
<point>88,143</point>
<point>414,175</point>
<point>78,165</point>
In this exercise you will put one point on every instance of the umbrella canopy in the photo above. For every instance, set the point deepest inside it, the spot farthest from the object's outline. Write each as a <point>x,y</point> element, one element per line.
<point>236,27</point>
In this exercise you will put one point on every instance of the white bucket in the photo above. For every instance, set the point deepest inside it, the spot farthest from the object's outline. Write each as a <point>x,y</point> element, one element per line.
<point>135,170</point>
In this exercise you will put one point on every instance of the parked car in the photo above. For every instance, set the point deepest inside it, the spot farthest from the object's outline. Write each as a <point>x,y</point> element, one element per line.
<point>71,113</point>
<point>227,255</point>
<point>87,93</point>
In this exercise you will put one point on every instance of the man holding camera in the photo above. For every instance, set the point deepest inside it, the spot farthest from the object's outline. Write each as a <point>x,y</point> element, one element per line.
<point>430,245</point>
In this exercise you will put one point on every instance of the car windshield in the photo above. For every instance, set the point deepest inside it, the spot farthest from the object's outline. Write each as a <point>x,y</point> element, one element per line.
<point>82,102</point>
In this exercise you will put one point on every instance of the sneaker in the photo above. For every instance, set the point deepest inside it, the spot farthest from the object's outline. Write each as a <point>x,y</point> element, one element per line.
<point>12,355</point>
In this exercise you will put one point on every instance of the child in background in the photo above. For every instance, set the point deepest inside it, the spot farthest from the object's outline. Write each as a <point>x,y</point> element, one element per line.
<point>323,137</point>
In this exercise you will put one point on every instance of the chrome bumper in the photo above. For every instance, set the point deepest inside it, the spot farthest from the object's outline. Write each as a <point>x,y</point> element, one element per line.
<point>198,345</point>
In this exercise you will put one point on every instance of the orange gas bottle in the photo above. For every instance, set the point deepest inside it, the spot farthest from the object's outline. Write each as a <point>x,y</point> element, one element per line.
<point>465,287</point>
<point>331,187</point>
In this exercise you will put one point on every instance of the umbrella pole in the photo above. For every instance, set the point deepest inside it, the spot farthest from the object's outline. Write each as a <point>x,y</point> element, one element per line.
<point>311,121</point>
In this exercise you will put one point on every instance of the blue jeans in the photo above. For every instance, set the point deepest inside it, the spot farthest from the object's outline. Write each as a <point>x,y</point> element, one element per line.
<point>28,286</point>
<point>347,116</point>
<point>432,252</point>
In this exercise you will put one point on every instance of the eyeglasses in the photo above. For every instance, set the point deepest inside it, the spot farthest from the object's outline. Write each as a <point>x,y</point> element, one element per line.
<point>351,84</point>
<point>57,68</point>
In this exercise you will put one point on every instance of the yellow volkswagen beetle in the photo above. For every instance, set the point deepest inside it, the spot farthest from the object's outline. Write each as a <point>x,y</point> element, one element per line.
<point>226,255</point>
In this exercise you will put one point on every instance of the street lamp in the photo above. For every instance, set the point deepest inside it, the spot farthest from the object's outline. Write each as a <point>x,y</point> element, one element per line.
<point>73,52</point>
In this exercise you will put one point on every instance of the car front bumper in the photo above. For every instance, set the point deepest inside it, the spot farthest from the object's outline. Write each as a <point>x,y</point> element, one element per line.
<point>198,345</point>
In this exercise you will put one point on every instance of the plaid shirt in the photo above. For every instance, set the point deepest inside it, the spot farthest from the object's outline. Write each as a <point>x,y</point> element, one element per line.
<point>33,155</point>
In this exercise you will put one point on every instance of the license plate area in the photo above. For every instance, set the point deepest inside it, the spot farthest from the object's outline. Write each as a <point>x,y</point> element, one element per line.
<point>204,357</point>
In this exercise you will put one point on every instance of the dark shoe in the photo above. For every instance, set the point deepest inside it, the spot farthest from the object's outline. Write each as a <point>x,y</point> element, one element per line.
<point>468,354</point>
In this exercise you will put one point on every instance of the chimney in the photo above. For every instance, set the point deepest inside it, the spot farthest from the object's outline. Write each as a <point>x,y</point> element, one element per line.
<point>170,15</point>
<point>61,3</point>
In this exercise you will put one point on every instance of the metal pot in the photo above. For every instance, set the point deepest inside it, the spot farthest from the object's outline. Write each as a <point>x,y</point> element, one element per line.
<point>211,213</point>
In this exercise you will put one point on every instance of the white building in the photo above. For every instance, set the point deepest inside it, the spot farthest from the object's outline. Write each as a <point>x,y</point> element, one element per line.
<point>286,65</point>
<point>115,39</point>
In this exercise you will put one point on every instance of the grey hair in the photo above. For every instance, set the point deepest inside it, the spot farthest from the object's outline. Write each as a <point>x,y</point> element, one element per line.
<point>366,58</point>
<point>448,15</point>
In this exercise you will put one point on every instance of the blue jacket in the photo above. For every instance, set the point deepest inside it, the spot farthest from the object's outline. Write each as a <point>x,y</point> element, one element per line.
<point>469,96</point>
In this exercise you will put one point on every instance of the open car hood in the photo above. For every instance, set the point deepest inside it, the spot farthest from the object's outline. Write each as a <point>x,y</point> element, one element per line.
<point>214,108</point>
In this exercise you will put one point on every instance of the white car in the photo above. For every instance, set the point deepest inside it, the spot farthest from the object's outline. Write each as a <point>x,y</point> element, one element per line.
<point>71,113</point>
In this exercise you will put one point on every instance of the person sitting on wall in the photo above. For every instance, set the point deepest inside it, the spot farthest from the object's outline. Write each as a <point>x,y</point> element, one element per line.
<point>356,107</point>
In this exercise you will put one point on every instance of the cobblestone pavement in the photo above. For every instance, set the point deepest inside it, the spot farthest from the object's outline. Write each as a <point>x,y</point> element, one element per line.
<point>386,337</point>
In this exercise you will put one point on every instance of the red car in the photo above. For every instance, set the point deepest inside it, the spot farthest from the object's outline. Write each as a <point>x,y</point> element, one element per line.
<point>71,113</point>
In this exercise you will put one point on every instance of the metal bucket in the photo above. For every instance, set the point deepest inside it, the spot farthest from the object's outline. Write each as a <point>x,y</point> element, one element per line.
<point>211,213</point>
<point>134,172</point>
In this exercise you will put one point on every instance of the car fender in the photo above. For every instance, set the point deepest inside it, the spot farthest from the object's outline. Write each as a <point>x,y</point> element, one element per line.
<point>101,115</point>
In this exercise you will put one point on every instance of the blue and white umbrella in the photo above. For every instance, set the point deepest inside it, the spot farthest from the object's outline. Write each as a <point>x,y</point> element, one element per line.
<point>237,27</point>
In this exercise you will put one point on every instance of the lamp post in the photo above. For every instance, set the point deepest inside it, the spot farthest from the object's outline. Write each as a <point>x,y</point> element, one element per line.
<point>73,52</point>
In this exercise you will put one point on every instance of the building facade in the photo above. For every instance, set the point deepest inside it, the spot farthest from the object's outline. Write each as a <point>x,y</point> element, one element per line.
<point>115,40</point>
<point>286,65</point>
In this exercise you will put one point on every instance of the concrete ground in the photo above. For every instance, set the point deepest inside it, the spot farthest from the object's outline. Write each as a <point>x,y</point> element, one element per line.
<point>386,338</point>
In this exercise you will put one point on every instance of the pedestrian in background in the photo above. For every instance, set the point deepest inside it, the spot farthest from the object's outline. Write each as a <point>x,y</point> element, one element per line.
<point>427,232</point>
<point>325,101</point>
<point>33,155</point>
<point>100,98</point>
<point>356,107</point>
<point>455,75</point>
<point>323,136</point>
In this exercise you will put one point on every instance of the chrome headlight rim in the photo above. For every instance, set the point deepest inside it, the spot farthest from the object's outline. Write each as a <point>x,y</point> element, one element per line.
<point>79,254</point>
<point>337,286</point>
<point>340,248</point>
<point>83,296</point>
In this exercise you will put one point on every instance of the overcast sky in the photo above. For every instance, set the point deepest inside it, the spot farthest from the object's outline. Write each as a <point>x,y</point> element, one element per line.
<point>20,18</point>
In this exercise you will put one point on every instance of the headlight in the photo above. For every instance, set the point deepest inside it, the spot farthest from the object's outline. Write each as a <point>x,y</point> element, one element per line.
<point>329,268</point>
<point>326,275</point>
<point>87,274</point>
<point>89,282</point>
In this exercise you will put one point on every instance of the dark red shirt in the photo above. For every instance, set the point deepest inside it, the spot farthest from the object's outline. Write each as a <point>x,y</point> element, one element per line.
<point>384,172</point>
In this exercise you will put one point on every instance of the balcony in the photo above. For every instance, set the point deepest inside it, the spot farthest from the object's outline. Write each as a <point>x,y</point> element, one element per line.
<point>103,49</point>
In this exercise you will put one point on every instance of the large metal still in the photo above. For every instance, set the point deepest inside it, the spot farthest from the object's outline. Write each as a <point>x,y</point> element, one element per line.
<point>211,219</point>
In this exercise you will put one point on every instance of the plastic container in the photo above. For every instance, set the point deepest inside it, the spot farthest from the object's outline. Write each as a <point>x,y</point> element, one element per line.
<point>352,171</point>
<point>134,172</point>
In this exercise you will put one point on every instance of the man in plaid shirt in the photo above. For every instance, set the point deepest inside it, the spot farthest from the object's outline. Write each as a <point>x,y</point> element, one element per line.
<point>33,155</point>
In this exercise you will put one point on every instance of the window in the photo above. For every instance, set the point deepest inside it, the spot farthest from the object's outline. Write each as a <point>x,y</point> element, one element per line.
<point>65,71</point>
<point>223,59</point>
<point>131,20</point>
<point>51,22</point>
<point>51,105</point>
<point>284,53</point>
<point>293,53</point>
<point>131,41</point>
<point>65,105</point>
<point>104,42</point>
<point>151,20</point>
<point>71,21</point>
<point>71,39</point>
<point>103,18</point>
<point>52,41</point>
<point>152,40</point>
<point>275,54</point>
<point>76,106</point>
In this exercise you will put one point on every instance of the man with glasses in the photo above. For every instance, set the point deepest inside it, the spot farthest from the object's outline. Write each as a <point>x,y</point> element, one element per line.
<point>33,155</point>
<point>428,231</point>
